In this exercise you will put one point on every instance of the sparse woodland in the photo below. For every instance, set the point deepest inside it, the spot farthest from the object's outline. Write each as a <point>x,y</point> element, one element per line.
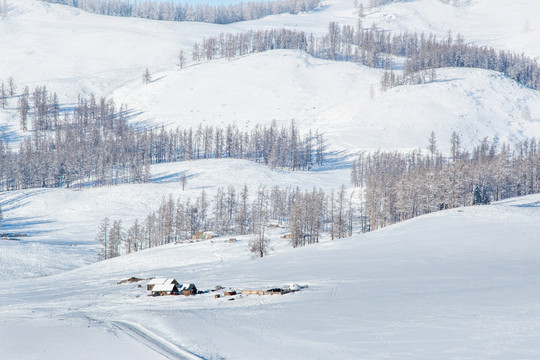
<point>94,145</point>
<point>174,11</point>
<point>389,187</point>
<point>399,186</point>
<point>308,214</point>
<point>420,54</point>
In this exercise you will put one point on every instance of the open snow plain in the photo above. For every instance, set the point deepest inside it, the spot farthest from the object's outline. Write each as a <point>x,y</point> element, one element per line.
<point>460,284</point>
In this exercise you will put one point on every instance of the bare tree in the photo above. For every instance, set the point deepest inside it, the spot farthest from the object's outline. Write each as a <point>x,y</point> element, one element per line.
<point>3,95</point>
<point>102,238</point>
<point>146,77</point>
<point>11,86</point>
<point>181,59</point>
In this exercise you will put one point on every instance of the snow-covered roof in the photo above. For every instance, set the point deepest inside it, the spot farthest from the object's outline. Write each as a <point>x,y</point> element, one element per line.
<point>162,281</point>
<point>157,281</point>
<point>187,286</point>
<point>163,287</point>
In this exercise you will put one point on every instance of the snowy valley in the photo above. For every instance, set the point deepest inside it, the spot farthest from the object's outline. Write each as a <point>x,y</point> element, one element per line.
<point>461,283</point>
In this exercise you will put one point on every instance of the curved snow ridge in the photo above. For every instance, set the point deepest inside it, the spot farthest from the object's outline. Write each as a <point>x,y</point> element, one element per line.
<point>154,341</point>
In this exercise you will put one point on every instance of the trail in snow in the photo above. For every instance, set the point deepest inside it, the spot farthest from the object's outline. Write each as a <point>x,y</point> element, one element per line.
<point>154,341</point>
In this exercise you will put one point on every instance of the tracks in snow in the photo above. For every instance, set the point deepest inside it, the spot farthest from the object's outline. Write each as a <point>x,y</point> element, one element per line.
<point>154,341</point>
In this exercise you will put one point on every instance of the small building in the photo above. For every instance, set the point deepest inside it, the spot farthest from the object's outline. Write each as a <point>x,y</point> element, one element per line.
<point>164,289</point>
<point>188,289</point>
<point>160,281</point>
<point>204,235</point>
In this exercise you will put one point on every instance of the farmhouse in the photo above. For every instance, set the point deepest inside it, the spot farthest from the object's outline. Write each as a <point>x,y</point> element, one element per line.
<point>164,289</point>
<point>160,281</point>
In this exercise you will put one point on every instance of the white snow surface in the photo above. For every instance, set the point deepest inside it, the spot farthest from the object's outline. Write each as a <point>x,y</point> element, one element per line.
<point>75,52</point>
<point>459,284</point>
<point>62,224</point>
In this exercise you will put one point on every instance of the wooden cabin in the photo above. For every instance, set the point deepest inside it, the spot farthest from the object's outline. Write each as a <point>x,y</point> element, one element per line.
<point>164,289</point>
<point>160,281</point>
<point>188,289</point>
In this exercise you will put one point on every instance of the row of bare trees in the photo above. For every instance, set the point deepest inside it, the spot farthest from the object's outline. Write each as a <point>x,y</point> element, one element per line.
<point>390,187</point>
<point>376,48</point>
<point>232,210</point>
<point>399,186</point>
<point>93,144</point>
<point>176,11</point>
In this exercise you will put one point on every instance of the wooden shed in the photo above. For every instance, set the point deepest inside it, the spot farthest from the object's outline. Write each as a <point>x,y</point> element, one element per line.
<point>188,289</point>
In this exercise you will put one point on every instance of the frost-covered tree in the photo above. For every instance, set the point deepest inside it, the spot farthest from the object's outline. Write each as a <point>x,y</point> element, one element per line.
<point>3,95</point>
<point>146,76</point>
<point>181,60</point>
<point>11,86</point>
<point>103,238</point>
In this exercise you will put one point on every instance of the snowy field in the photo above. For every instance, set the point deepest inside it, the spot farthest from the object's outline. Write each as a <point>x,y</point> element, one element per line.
<point>459,284</point>
<point>62,224</point>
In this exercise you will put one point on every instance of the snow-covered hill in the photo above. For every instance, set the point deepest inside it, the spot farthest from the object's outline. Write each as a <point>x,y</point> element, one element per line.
<point>336,98</point>
<point>62,224</point>
<point>74,52</point>
<point>461,283</point>
<point>457,284</point>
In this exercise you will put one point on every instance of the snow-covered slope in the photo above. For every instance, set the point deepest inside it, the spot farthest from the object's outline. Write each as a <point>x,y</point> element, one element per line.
<point>71,51</point>
<point>62,224</point>
<point>457,284</point>
<point>335,98</point>
<point>502,24</point>
<point>461,283</point>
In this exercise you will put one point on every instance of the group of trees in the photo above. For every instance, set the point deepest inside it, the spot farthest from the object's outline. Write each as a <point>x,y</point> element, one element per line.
<point>93,144</point>
<point>7,90</point>
<point>376,48</point>
<point>375,3</point>
<point>234,211</point>
<point>400,186</point>
<point>175,11</point>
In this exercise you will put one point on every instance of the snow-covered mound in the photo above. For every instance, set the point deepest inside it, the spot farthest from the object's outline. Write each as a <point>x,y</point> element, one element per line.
<point>62,224</point>
<point>342,100</point>
<point>71,51</point>
<point>454,284</point>
<point>505,25</point>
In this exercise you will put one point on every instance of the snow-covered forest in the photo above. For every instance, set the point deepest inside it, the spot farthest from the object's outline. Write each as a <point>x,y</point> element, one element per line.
<point>400,186</point>
<point>380,157</point>
<point>175,11</point>
<point>390,187</point>
<point>307,214</point>
<point>94,144</point>
<point>419,54</point>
